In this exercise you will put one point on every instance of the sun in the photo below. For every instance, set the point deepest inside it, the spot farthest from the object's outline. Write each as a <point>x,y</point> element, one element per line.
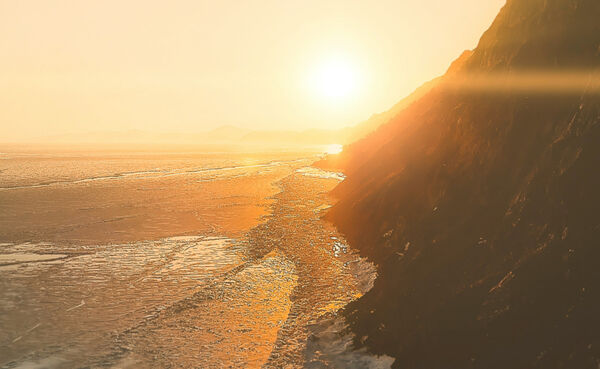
<point>335,79</point>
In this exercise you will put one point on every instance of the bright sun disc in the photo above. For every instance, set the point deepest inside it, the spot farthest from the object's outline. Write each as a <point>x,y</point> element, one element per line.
<point>335,79</point>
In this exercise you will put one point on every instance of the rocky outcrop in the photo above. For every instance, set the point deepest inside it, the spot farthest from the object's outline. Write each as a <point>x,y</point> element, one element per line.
<point>481,207</point>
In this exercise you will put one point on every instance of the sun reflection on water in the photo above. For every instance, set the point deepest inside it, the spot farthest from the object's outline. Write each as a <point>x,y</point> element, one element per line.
<point>334,149</point>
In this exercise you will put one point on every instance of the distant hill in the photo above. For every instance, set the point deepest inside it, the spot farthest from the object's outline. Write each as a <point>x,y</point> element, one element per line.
<point>341,136</point>
<point>480,203</point>
<point>225,134</point>
<point>233,135</point>
<point>308,137</point>
<point>365,128</point>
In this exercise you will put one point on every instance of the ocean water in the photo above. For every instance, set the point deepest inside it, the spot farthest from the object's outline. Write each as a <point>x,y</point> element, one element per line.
<point>187,260</point>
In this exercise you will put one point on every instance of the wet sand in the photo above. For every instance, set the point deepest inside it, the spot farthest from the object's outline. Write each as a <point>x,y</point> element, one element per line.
<point>253,270</point>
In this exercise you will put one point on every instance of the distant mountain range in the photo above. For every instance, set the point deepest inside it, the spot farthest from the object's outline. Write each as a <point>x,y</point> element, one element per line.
<point>480,203</point>
<point>232,135</point>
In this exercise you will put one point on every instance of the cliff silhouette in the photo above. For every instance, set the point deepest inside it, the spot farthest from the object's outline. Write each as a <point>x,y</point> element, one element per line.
<point>480,203</point>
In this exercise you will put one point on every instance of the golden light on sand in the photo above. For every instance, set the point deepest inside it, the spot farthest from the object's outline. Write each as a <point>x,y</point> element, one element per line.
<point>335,79</point>
<point>334,149</point>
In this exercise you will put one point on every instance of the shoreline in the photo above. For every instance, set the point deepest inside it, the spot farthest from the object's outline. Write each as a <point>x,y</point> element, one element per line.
<point>313,267</point>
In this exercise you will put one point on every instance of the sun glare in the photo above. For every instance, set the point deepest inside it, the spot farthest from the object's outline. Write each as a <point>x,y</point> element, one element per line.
<point>334,149</point>
<point>335,79</point>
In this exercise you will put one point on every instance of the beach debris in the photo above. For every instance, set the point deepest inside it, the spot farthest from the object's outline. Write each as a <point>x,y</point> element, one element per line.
<point>26,332</point>
<point>76,306</point>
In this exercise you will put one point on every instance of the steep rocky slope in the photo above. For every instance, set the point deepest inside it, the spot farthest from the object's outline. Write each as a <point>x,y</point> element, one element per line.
<point>481,206</point>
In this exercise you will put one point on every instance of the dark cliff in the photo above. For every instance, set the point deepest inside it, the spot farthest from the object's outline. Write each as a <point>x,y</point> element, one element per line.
<point>481,206</point>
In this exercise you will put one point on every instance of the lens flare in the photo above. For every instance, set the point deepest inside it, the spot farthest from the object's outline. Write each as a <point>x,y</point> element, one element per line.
<point>528,81</point>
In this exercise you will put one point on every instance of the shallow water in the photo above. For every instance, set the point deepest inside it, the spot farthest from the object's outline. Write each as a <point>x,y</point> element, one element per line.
<point>248,289</point>
<point>83,298</point>
<point>320,173</point>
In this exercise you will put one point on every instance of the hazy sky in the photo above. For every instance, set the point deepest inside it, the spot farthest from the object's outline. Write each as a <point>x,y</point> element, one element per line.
<point>191,65</point>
